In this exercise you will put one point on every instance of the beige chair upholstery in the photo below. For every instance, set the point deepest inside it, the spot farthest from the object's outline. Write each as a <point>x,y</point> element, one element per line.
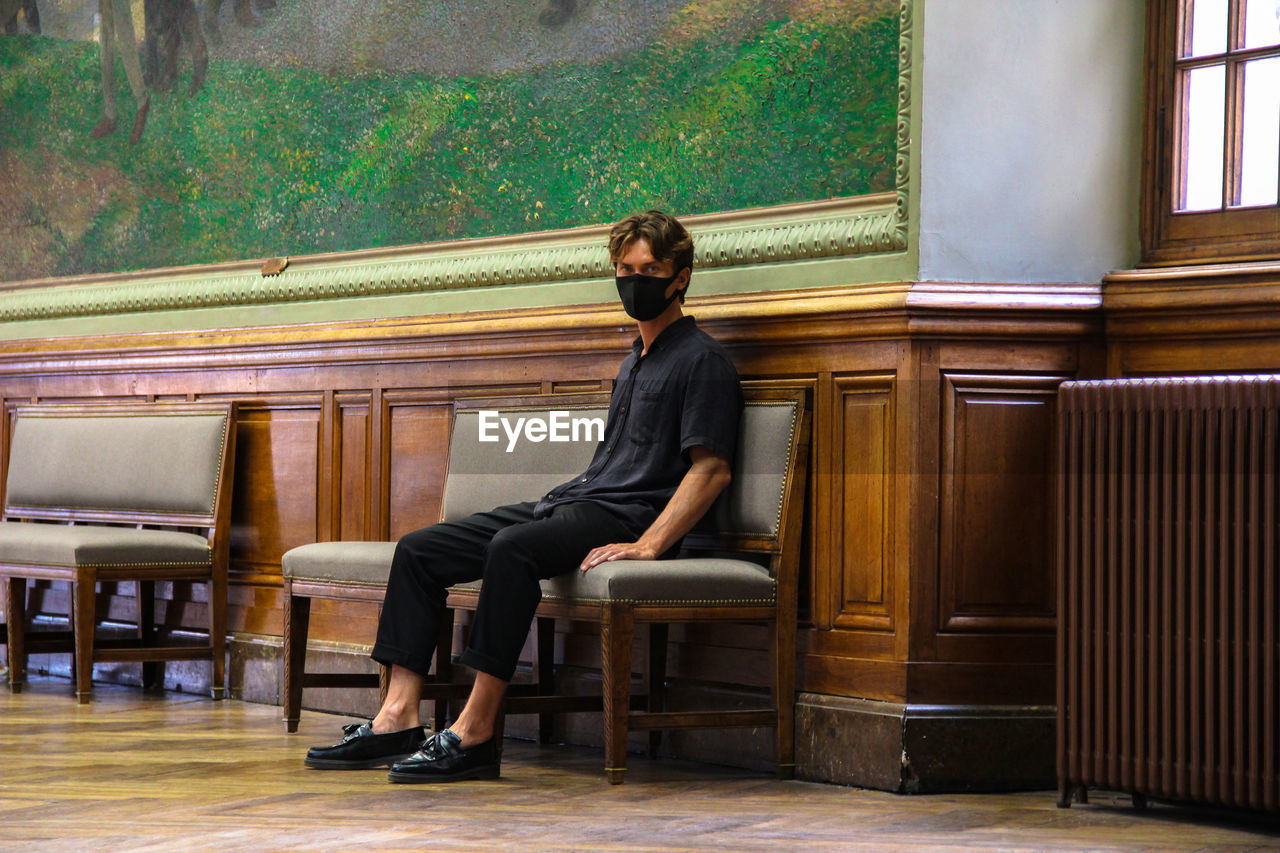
<point>161,463</point>
<point>117,493</point>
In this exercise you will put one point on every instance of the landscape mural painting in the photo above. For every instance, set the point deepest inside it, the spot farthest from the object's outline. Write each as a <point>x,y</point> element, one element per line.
<point>294,127</point>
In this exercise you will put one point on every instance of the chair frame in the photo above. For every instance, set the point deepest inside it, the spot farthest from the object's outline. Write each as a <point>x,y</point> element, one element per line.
<point>83,580</point>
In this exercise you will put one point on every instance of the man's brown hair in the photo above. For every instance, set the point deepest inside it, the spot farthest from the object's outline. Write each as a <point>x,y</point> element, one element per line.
<point>668,239</point>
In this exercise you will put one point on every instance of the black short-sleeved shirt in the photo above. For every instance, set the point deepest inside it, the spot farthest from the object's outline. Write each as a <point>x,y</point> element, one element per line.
<point>681,394</point>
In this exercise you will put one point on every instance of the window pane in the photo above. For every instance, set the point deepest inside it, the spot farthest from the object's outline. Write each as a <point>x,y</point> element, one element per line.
<point>1260,149</point>
<point>1205,122</point>
<point>1262,23</point>
<point>1208,27</point>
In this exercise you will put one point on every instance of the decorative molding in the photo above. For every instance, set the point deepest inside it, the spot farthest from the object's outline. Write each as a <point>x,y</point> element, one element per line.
<point>902,167</point>
<point>1148,308</point>
<point>1175,277</point>
<point>1200,293</point>
<point>864,225</point>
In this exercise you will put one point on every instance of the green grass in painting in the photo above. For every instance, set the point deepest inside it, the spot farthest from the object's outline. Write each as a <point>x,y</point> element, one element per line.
<point>271,161</point>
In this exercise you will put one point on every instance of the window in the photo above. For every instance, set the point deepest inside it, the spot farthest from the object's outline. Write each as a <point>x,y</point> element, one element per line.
<point>1212,167</point>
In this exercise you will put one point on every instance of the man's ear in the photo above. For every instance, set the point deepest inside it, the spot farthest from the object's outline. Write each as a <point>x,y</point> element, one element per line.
<point>682,281</point>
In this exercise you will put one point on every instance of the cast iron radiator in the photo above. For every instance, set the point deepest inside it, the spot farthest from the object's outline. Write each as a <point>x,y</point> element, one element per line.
<point>1168,528</point>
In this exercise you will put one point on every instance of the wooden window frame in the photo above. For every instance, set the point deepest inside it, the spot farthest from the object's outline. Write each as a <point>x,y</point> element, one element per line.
<point>1169,237</point>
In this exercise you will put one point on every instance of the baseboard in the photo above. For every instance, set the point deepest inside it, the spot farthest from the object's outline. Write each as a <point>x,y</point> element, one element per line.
<point>917,749</point>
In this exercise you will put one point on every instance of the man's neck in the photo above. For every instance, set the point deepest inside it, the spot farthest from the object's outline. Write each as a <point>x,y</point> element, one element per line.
<point>650,329</point>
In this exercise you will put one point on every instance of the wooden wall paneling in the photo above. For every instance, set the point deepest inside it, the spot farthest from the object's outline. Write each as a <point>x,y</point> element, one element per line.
<point>580,386</point>
<point>842,674</point>
<point>861,451</point>
<point>1219,318</point>
<point>416,426</point>
<point>253,609</point>
<point>352,477</point>
<point>328,483</point>
<point>994,573</point>
<point>351,460</point>
<point>735,654</point>
<point>855,640</point>
<point>822,489</point>
<point>969,683</point>
<point>919,410</point>
<point>1132,359</point>
<point>377,467</point>
<point>276,502</point>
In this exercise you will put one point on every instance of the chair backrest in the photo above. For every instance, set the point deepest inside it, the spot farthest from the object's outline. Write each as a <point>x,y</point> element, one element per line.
<point>494,459</point>
<point>159,463</point>
<point>771,453</point>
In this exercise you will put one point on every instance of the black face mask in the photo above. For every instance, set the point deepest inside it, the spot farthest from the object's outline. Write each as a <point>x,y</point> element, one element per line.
<point>644,296</point>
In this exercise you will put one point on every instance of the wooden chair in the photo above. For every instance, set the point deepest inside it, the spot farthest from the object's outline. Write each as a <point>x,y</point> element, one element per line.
<point>337,571</point>
<point>480,475</point>
<point>109,493</point>
<point>714,580</point>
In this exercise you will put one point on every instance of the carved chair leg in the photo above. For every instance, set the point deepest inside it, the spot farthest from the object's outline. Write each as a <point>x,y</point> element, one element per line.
<point>146,597</point>
<point>500,729</point>
<point>444,670</point>
<point>218,631</point>
<point>84,618</point>
<point>616,635</point>
<point>784,634</point>
<point>657,679</point>
<point>297,621</point>
<point>15,611</point>
<point>546,675</point>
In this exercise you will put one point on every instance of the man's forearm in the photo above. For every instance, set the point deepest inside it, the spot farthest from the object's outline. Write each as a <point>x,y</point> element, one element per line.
<point>707,477</point>
<point>702,484</point>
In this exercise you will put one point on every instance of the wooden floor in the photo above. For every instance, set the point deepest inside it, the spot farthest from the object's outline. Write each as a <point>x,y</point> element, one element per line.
<point>168,772</point>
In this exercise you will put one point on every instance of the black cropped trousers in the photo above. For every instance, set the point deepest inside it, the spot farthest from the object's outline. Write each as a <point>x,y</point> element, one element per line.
<point>509,551</point>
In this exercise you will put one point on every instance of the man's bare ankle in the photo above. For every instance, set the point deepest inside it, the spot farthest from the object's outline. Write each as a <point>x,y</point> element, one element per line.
<point>387,723</point>
<point>470,736</point>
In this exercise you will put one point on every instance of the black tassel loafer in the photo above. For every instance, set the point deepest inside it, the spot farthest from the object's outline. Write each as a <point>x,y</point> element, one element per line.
<point>361,748</point>
<point>443,759</point>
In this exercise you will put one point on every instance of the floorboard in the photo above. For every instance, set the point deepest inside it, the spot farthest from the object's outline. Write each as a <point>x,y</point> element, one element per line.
<point>142,772</point>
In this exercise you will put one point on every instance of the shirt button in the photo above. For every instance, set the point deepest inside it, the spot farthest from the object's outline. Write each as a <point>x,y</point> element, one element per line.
<point>584,479</point>
<point>551,496</point>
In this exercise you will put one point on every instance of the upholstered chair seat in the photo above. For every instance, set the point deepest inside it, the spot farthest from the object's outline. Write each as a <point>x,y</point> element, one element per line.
<point>101,546</point>
<point>365,563</point>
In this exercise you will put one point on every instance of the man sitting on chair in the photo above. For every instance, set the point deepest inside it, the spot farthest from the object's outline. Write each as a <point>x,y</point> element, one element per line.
<point>669,438</point>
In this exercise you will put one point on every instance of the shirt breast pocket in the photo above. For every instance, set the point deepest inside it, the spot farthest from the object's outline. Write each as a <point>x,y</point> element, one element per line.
<point>649,413</point>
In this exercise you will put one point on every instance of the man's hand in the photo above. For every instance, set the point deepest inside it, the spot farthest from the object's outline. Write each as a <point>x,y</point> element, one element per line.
<point>618,551</point>
<point>706,478</point>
